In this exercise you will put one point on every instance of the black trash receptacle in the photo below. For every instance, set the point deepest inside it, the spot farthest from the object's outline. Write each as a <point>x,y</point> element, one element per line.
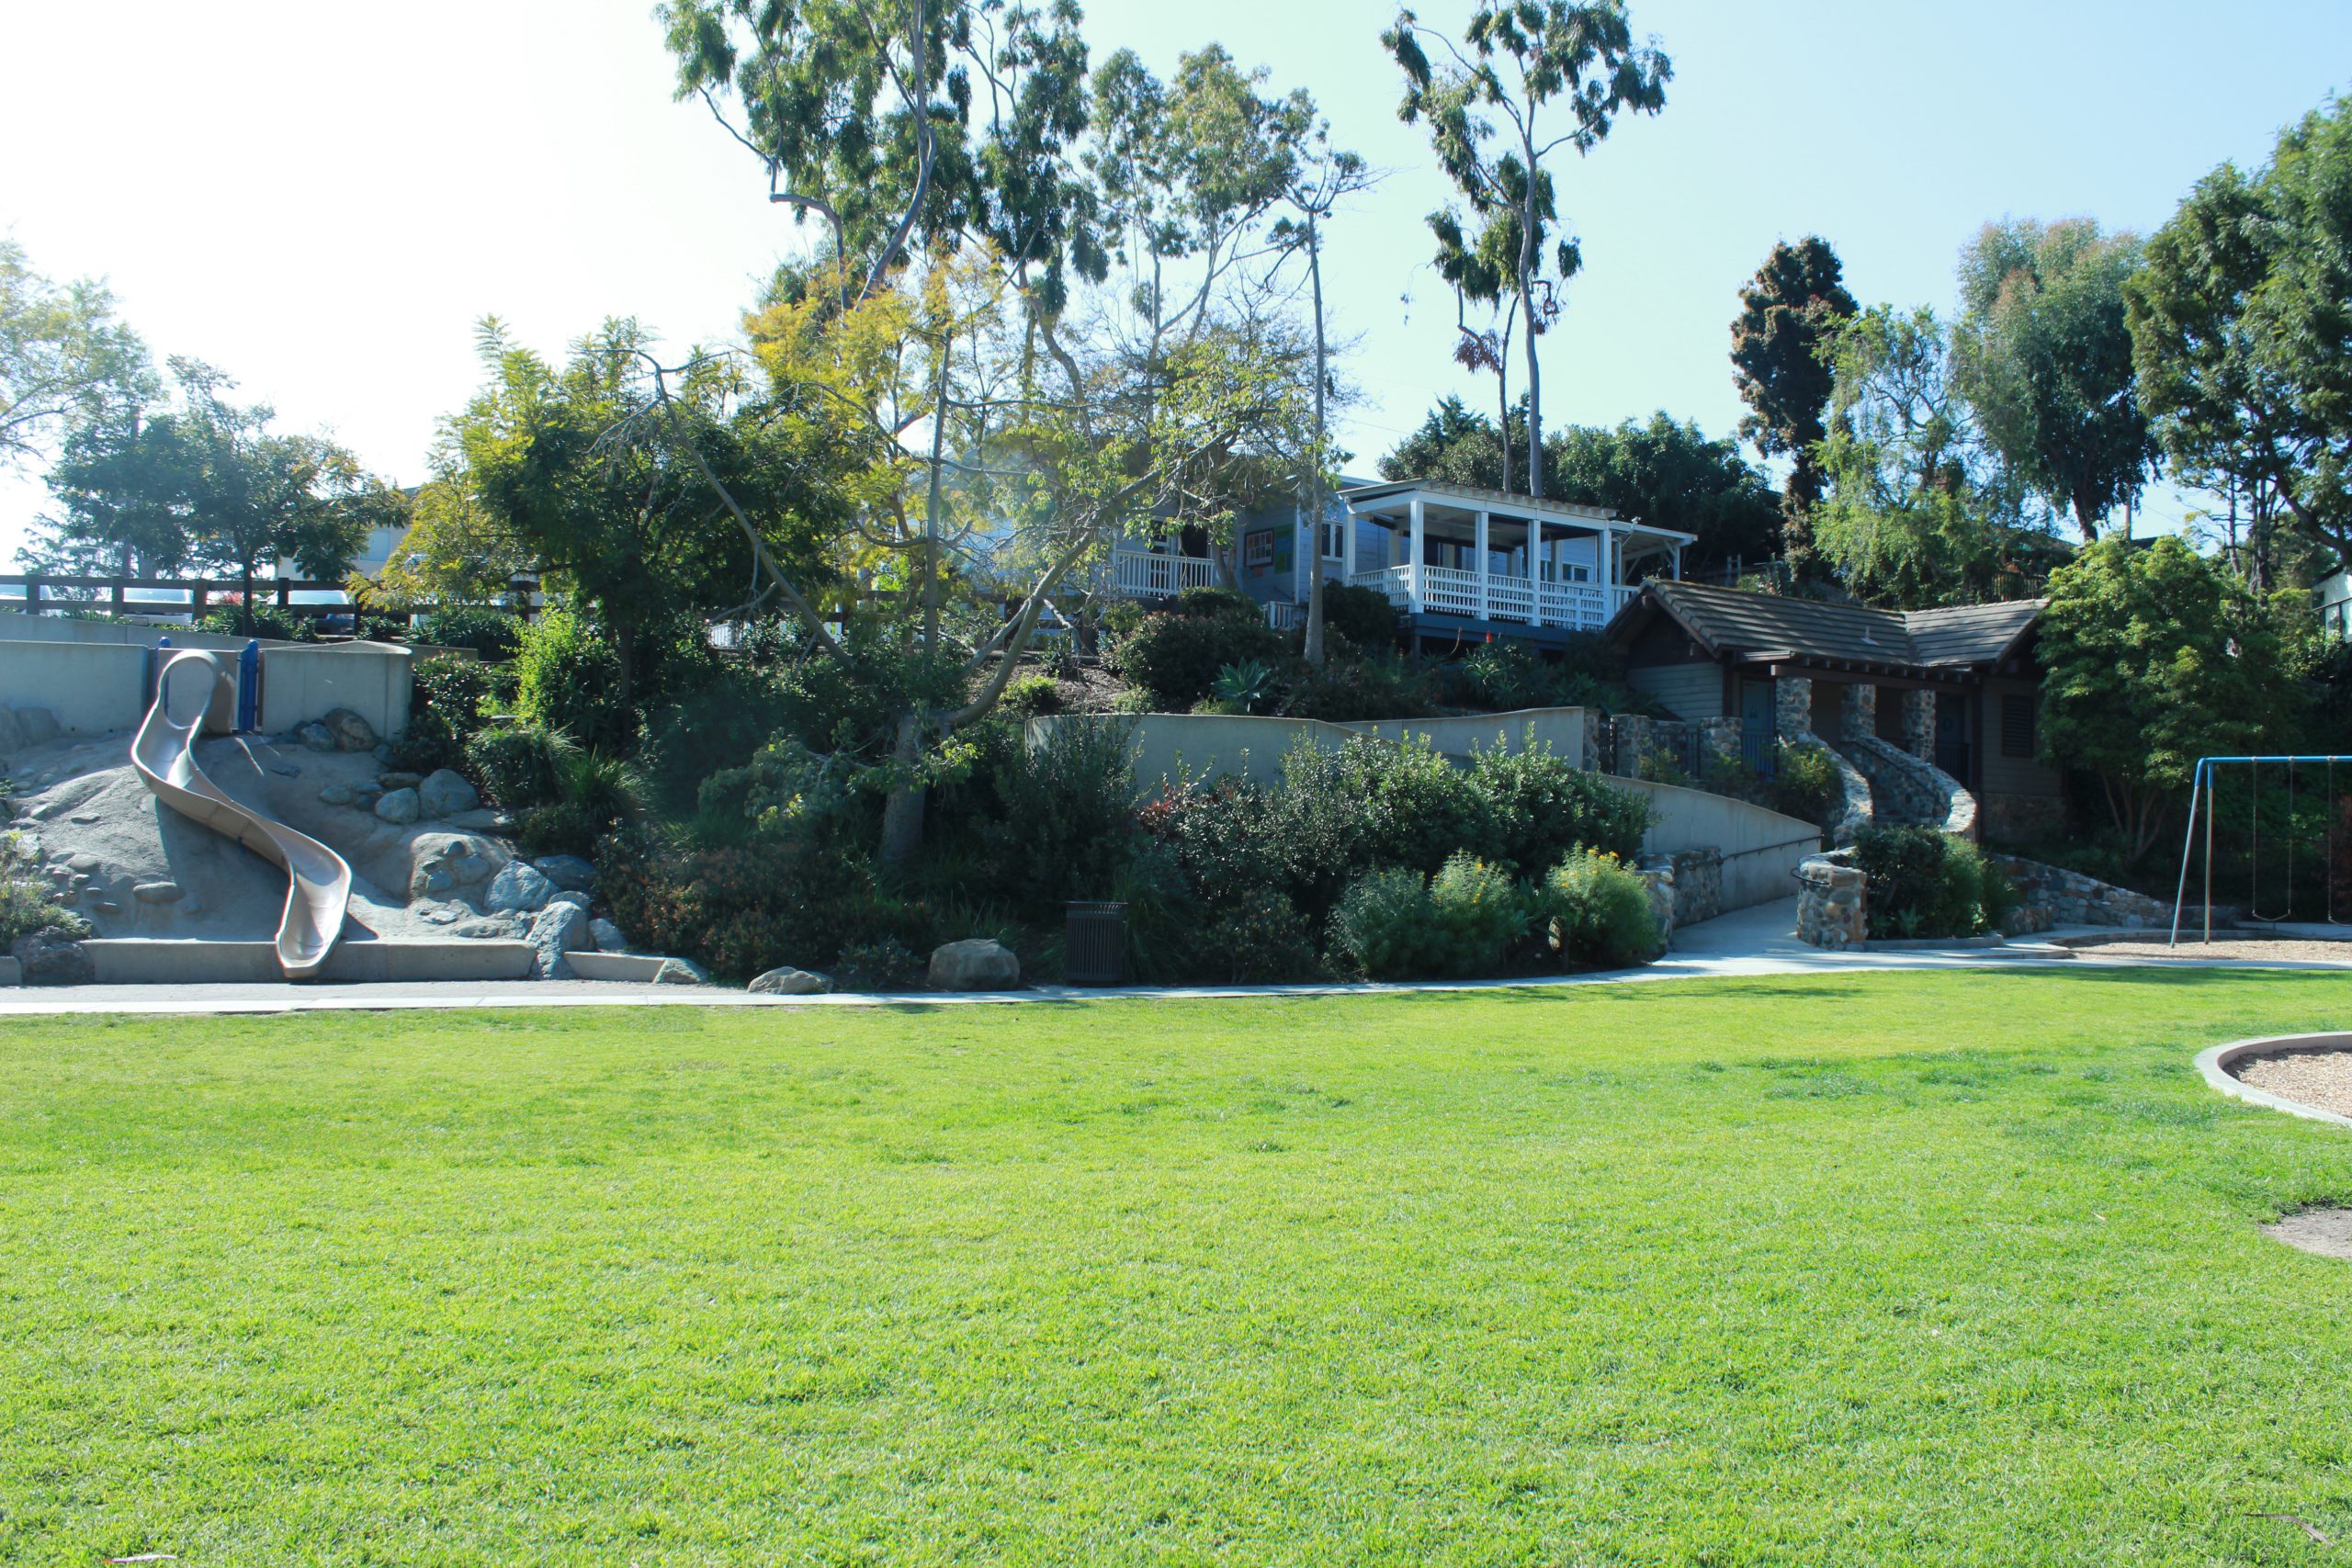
<point>1094,944</point>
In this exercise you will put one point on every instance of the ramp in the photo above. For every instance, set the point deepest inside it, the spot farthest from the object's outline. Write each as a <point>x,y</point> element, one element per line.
<point>318,892</point>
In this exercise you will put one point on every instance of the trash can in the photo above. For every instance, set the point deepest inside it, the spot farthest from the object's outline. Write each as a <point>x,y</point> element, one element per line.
<point>1095,945</point>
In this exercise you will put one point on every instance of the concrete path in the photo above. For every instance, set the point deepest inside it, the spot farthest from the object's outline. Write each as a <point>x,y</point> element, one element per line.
<point>1756,941</point>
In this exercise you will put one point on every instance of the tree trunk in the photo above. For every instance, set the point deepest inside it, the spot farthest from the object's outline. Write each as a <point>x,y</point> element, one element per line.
<point>902,808</point>
<point>1535,403</point>
<point>1315,462</point>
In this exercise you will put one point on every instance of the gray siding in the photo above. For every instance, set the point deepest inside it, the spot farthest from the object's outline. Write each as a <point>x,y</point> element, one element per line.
<point>1689,690</point>
<point>2009,776</point>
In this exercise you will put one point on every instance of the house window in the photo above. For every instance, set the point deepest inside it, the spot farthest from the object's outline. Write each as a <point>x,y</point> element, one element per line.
<point>2017,727</point>
<point>1334,542</point>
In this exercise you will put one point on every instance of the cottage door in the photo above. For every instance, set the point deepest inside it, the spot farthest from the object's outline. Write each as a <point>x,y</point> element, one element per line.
<point>1951,735</point>
<point>1756,727</point>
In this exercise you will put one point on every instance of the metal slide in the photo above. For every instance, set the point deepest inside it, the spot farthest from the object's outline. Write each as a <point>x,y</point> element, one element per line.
<point>318,889</point>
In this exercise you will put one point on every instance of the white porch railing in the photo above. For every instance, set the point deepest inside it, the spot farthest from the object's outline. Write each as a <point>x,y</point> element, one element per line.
<point>1285,616</point>
<point>1448,591</point>
<point>1144,574</point>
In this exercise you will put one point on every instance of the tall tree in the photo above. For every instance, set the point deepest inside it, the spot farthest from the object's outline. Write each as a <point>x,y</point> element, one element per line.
<point>1453,444</point>
<point>2043,354</point>
<point>1672,475</point>
<point>65,361</point>
<point>1919,511</point>
<point>2153,658</point>
<point>1518,61</point>
<point>1788,313</point>
<point>206,483</point>
<point>1478,256</point>
<point>2242,332</point>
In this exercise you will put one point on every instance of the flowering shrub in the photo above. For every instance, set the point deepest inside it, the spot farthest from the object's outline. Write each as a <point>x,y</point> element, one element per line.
<point>1591,909</point>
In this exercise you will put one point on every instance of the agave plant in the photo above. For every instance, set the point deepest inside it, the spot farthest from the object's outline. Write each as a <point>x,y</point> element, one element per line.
<point>1249,685</point>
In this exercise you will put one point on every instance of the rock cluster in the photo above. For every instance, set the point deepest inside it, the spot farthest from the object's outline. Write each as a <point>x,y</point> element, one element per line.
<point>1832,908</point>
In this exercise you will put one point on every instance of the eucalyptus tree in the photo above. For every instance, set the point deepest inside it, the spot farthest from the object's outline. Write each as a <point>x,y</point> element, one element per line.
<point>2042,352</point>
<point>1536,76</point>
<point>1476,256</point>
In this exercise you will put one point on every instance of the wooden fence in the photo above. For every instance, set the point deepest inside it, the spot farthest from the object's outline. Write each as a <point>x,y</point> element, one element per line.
<point>36,592</point>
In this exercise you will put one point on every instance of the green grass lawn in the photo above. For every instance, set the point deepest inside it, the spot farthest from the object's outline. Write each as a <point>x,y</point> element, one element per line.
<point>1871,1269</point>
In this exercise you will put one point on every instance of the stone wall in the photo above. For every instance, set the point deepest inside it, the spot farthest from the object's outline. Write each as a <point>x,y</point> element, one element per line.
<point>1633,736</point>
<point>1832,903</point>
<point>1792,721</point>
<point>1919,723</point>
<point>1657,880</point>
<point>2051,896</point>
<point>1905,790</point>
<point>1698,885</point>
<point>2022,818</point>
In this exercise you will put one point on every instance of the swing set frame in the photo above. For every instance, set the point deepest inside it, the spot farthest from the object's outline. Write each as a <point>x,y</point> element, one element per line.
<point>2200,791</point>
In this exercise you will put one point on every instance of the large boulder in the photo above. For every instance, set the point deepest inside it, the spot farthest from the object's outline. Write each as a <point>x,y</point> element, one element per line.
<point>351,732</point>
<point>445,793</point>
<point>559,929</point>
<point>609,937</point>
<point>440,863</point>
<point>12,733</point>
<point>789,982</point>
<point>681,972</point>
<point>399,807</point>
<point>489,928</point>
<point>521,887</point>
<point>37,726</point>
<point>567,871</point>
<point>977,964</point>
<point>52,957</point>
<point>315,737</point>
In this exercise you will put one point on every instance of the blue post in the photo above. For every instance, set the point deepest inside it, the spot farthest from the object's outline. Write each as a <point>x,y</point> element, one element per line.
<point>155,663</point>
<point>249,685</point>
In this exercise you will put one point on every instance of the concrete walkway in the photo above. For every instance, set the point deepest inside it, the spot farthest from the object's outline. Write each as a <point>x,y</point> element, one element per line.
<point>1758,942</point>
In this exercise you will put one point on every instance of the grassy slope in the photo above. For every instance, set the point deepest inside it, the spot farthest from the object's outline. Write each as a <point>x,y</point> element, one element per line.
<point>1872,1269</point>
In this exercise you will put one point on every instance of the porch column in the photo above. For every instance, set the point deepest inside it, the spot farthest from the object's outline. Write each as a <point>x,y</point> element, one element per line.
<point>1478,533</point>
<point>1413,560</point>
<point>1534,570</point>
<point>1676,567</point>
<point>1347,547</point>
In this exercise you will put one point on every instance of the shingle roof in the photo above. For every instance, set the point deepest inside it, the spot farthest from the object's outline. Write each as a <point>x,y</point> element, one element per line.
<point>1736,621</point>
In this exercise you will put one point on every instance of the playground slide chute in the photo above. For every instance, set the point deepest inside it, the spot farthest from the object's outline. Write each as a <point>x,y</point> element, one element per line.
<point>318,889</point>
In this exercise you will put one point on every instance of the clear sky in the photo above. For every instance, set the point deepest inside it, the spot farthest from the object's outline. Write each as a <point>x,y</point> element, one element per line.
<point>322,198</point>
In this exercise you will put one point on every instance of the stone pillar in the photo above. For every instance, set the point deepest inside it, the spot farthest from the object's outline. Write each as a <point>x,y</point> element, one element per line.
<point>1793,707</point>
<point>1832,904</point>
<point>1631,732</point>
<point>1920,724</point>
<point>1857,711</point>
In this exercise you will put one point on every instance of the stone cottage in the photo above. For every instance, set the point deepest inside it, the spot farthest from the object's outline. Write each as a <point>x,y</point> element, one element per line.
<point>1932,713</point>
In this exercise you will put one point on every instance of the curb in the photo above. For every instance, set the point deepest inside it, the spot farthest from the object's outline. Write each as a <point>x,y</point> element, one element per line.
<point>2215,1066</point>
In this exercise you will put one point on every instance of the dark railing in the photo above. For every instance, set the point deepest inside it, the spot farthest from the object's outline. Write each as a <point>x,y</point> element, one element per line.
<point>1760,750</point>
<point>35,591</point>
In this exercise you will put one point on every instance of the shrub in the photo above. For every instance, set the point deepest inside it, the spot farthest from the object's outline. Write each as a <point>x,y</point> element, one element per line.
<point>888,964</point>
<point>1031,695</point>
<point>513,765</point>
<point>568,677</point>
<point>1348,688</point>
<point>445,703</point>
<point>1175,654</point>
<point>27,906</point>
<point>1928,884</point>
<point>1545,805</point>
<point>1805,783</point>
<point>228,620</point>
<point>1382,926</point>
<point>1246,687</point>
<point>1592,909</point>
<point>493,634</point>
<point>1261,939</point>
<point>1507,674</point>
<point>594,795</point>
<point>1363,616</point>
<point>1479,915</point>
<point>1375,804</point>
<point>1067,815</point>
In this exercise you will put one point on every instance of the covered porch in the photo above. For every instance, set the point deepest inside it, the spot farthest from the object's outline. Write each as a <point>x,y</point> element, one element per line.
<point>1490,558</point>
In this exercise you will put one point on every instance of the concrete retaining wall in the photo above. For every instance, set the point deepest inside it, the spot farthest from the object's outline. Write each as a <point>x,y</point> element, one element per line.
<point>1760,849</point>
<point>96,688</point>
<point>17,627</point>
<point>92,687</point>
<point>300,684</point>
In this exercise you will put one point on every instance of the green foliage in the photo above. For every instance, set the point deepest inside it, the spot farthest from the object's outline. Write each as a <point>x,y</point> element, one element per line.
<point>1247,687</point>
<point>201,482</point>
<point>1670,475</point>
<point>885,964</point>
<point>1374,804</point>
<point>1788,313</point>
<point>2043,354</point>
<point>1068,819</point>
<point>1927,883</point>
<point>1476,913</point>
<point>1028,696</point>
<point>264,620</point>
<point>445,708</point>
<point>65,361</point>
<point>493,634</point>
<point>594,796</point>
<point>1918,513</point>
<point>1348,688</point>
<point>1383,929</point>
<point>25,905</point>
<point>2241,338</point>
<point>2153,657</point>
<point>567,678</point>
<point>1364,616</point>
<point>1175,654</point>
<point>1591,909</point>
<point>1804,783</point>
<point>1455,446</point>
<point>1546,805</point>
<point>514,765</point>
